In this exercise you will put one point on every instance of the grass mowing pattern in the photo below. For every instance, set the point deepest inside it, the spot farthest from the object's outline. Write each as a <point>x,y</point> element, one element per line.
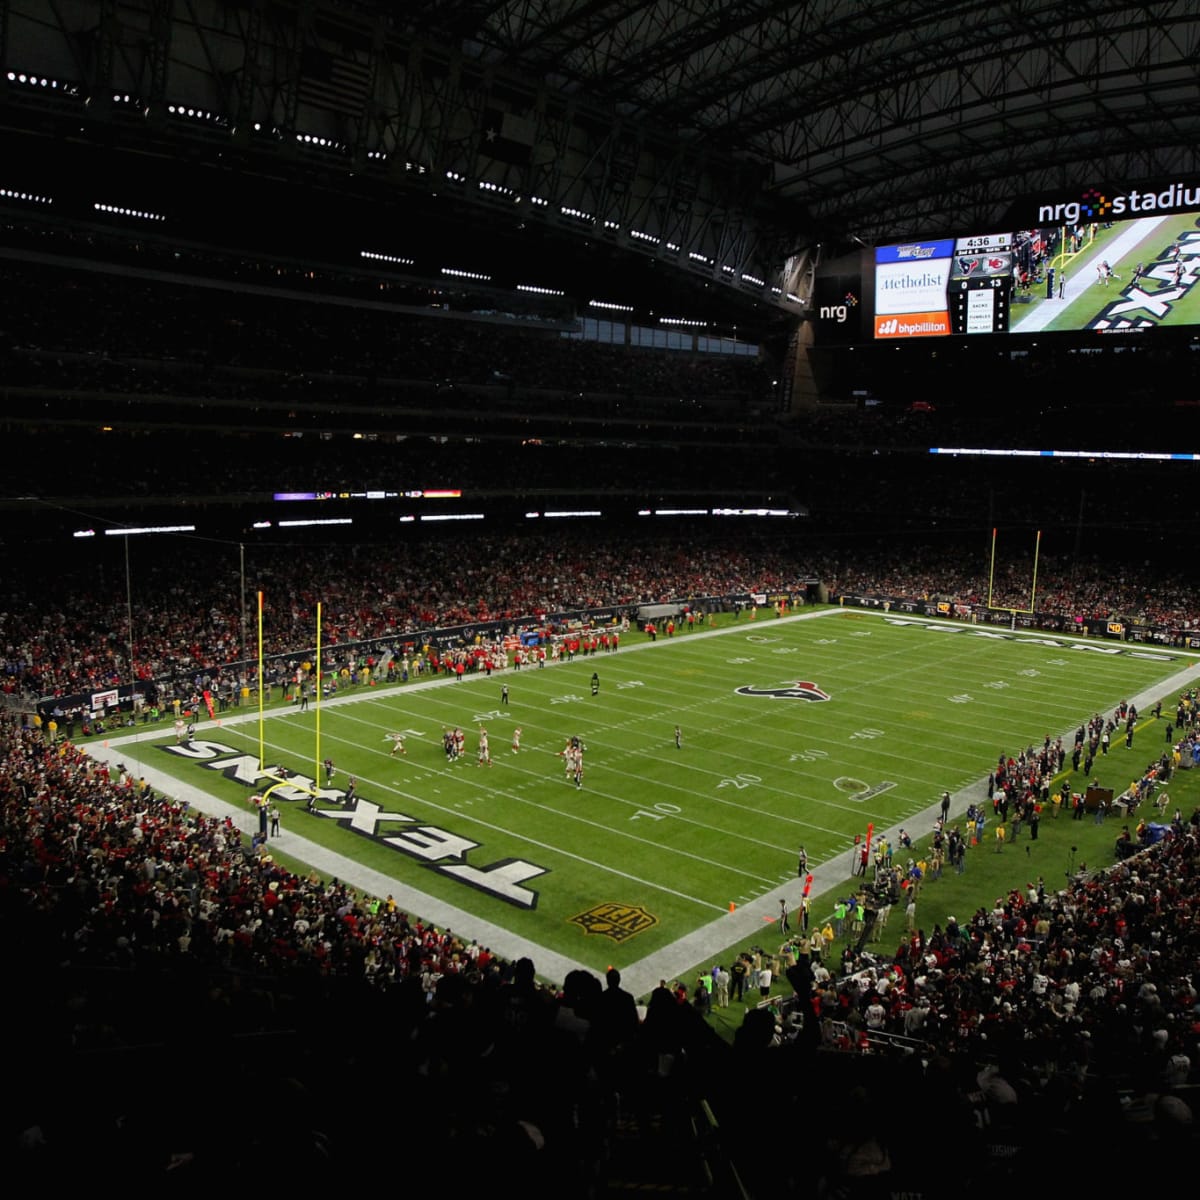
<point>683,832</point>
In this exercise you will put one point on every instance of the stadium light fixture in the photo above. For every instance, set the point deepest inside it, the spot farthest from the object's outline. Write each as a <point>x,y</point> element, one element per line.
<point>121,211</point>
<point>486,185</point>
<point>376,256</point>
<point>198,114</point>
<point>42,81</point>
<point>26,197</point>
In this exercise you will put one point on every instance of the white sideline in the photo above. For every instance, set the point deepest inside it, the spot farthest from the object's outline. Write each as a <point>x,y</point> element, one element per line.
<point>709,943</point>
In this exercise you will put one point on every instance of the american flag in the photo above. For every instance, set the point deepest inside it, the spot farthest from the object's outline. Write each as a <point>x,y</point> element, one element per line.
<point>338,84</point>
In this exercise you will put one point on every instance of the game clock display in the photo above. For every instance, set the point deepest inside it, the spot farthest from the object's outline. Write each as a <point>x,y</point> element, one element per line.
<point>1101,275</point>
<point>944,286</point>
<point>980,285</point>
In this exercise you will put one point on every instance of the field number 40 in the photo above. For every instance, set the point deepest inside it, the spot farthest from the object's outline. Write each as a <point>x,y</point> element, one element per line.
<point>867,734</point>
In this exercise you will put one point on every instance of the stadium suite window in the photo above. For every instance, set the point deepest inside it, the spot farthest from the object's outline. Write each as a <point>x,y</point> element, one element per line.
<point>611,333</point>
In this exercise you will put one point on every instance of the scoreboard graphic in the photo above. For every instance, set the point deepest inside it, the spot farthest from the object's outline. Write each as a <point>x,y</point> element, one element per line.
<point>1097,276</point>
<point>981,277</point>
<point>944,286</point>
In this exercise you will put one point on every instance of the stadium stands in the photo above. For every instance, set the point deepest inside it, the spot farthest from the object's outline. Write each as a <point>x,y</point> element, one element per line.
<point>191,1011</point>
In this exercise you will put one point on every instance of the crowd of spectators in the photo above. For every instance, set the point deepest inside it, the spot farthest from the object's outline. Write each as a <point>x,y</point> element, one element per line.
<point>193,1010</point>
<point>187,613</point>
<point>1077,587</point>
<point>171,971</point>
<point>190,609</point>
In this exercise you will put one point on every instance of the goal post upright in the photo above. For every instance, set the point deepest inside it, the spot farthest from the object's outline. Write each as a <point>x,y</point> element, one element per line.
<point>992,568</point>
<point>317,740</point>
<point>261,714</point>
<point>1037,550</point>
<point>1011,610</point>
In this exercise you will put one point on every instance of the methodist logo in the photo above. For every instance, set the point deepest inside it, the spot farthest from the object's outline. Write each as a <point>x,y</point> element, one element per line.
<point>796,691</point>
<point>439,850</point>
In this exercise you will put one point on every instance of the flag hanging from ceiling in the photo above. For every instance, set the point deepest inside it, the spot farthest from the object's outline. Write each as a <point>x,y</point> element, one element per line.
<point>507,137</point>
<point>328,81</point>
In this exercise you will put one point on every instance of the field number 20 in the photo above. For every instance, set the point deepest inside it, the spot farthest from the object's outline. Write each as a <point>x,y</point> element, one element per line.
<point>740,781</point>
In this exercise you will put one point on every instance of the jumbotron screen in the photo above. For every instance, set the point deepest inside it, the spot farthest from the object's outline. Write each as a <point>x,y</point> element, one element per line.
<point>1106,276</point>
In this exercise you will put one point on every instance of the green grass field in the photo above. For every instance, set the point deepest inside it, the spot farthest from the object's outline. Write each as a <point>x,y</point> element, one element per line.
<point>641,864</point>
<point>1088,300</point>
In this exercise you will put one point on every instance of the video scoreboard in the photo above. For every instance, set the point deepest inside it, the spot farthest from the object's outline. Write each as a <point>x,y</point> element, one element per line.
<point>944,286</point>
<point>981,276</point>
<point>1122,258</point>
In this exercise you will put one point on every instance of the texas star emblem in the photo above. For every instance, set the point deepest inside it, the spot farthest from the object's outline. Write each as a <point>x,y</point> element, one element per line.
<point>796,691</point>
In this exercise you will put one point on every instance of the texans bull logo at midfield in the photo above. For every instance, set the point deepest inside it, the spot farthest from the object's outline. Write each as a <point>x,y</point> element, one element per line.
<point>797,691</point>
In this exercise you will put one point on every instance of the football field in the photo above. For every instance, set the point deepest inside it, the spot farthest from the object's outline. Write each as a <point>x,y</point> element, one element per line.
<point>795,731</point>
<point>1163,294</point>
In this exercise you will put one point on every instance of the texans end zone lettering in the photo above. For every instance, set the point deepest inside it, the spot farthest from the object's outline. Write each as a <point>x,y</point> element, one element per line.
<point>437,849</point>
<point>795,691</point>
